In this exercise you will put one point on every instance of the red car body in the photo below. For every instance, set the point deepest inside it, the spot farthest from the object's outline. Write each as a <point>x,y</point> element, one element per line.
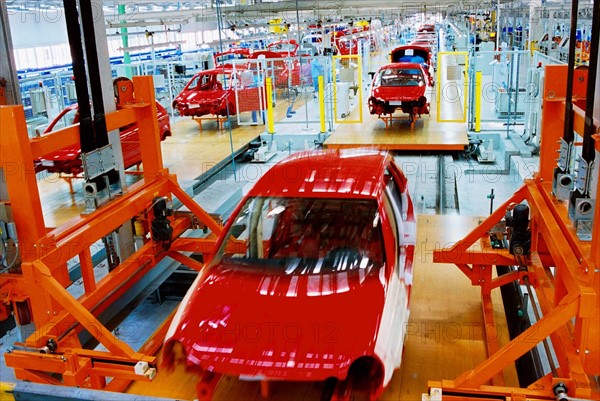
<point>286,72</point>
<point>399,85</point>
<point>213,92</point>
<point>318,286</point>
<point>347,46</point>
<point>426,28</point>
<point>68,160</point>
<point>415,54</point>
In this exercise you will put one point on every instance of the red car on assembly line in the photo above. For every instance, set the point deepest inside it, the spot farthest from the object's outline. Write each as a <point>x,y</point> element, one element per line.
<point>287,69</point>
<point>323,242</point>
<point>415,54</point>
<point>214,92</point>
<point>399,86</point>
<point>68,161</point>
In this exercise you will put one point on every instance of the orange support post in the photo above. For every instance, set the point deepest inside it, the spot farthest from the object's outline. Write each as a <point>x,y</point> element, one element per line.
<point>553,112</point>
<point>595,246</point>
<point>16,161</point>
<point>58,316</point>
<point>148,125</point>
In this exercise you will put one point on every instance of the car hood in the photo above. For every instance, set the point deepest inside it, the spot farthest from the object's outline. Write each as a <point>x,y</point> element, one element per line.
<point>391,93</point>
<point>200,97</point>
<point>246,322</point>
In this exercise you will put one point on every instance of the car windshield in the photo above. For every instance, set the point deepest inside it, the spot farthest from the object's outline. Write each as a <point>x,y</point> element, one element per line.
<point>283,47</point>
<point>400,77</point>
<point>305,236</point>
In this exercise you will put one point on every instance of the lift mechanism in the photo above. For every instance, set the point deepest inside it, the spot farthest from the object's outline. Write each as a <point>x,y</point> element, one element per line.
<point>53,354</point>
<point>563,269</point>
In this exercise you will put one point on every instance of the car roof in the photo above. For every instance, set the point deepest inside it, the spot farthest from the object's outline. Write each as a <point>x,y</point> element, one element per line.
<point>400,65</point>
<point>325,174</point>
<point>411,46</point>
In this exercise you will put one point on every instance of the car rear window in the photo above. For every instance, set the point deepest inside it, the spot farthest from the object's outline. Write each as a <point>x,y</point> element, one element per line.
<point>400,77</point>
<point>306,235</point>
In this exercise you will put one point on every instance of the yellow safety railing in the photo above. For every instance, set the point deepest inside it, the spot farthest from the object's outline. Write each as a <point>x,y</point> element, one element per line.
<point>440,85</point>
<point>322,115</point>
<point>270,117</point>
<point>478,90</point>
<point>359,88</point>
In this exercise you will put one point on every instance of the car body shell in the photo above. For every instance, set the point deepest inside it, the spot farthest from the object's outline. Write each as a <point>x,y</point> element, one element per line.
<point>415,54</point>
<point>347,45</point>
<point>399,85</point>
<point>287,69</point>
<point>68,161</point>
<point>214,92</point>
<point>426,28</point>
<point>265,325</point>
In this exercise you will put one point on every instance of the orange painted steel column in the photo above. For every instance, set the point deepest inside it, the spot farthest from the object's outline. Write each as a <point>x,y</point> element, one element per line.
<point>595,249</point>
<point>592,359</point>
<point>148,125</point>
<point>553,111</point>
<point>16,161</point>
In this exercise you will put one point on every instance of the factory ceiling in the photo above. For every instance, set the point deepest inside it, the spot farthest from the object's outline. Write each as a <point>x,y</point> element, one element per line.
<point>140,10</point>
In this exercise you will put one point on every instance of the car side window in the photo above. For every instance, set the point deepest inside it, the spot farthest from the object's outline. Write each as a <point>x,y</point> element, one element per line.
<point>389,211</point>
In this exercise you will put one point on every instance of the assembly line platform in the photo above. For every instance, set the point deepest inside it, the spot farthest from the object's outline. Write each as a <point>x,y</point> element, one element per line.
<point>426,134</point>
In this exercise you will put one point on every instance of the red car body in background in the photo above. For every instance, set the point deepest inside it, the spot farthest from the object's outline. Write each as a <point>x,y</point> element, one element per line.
<point>222,59</point>
<point>68,160</point>
<point>347,46</point>
<point>311,278</point>
<point>287,72</point>
<point>399,85</point>
<point>213,92</point>
<point>426,28</point>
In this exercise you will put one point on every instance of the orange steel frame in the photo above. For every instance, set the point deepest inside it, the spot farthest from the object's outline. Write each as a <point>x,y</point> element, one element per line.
<point>564,271</point>
<point>58,315</point>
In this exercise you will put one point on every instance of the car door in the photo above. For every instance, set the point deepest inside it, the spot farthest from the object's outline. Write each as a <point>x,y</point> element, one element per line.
<point>400,213</point>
